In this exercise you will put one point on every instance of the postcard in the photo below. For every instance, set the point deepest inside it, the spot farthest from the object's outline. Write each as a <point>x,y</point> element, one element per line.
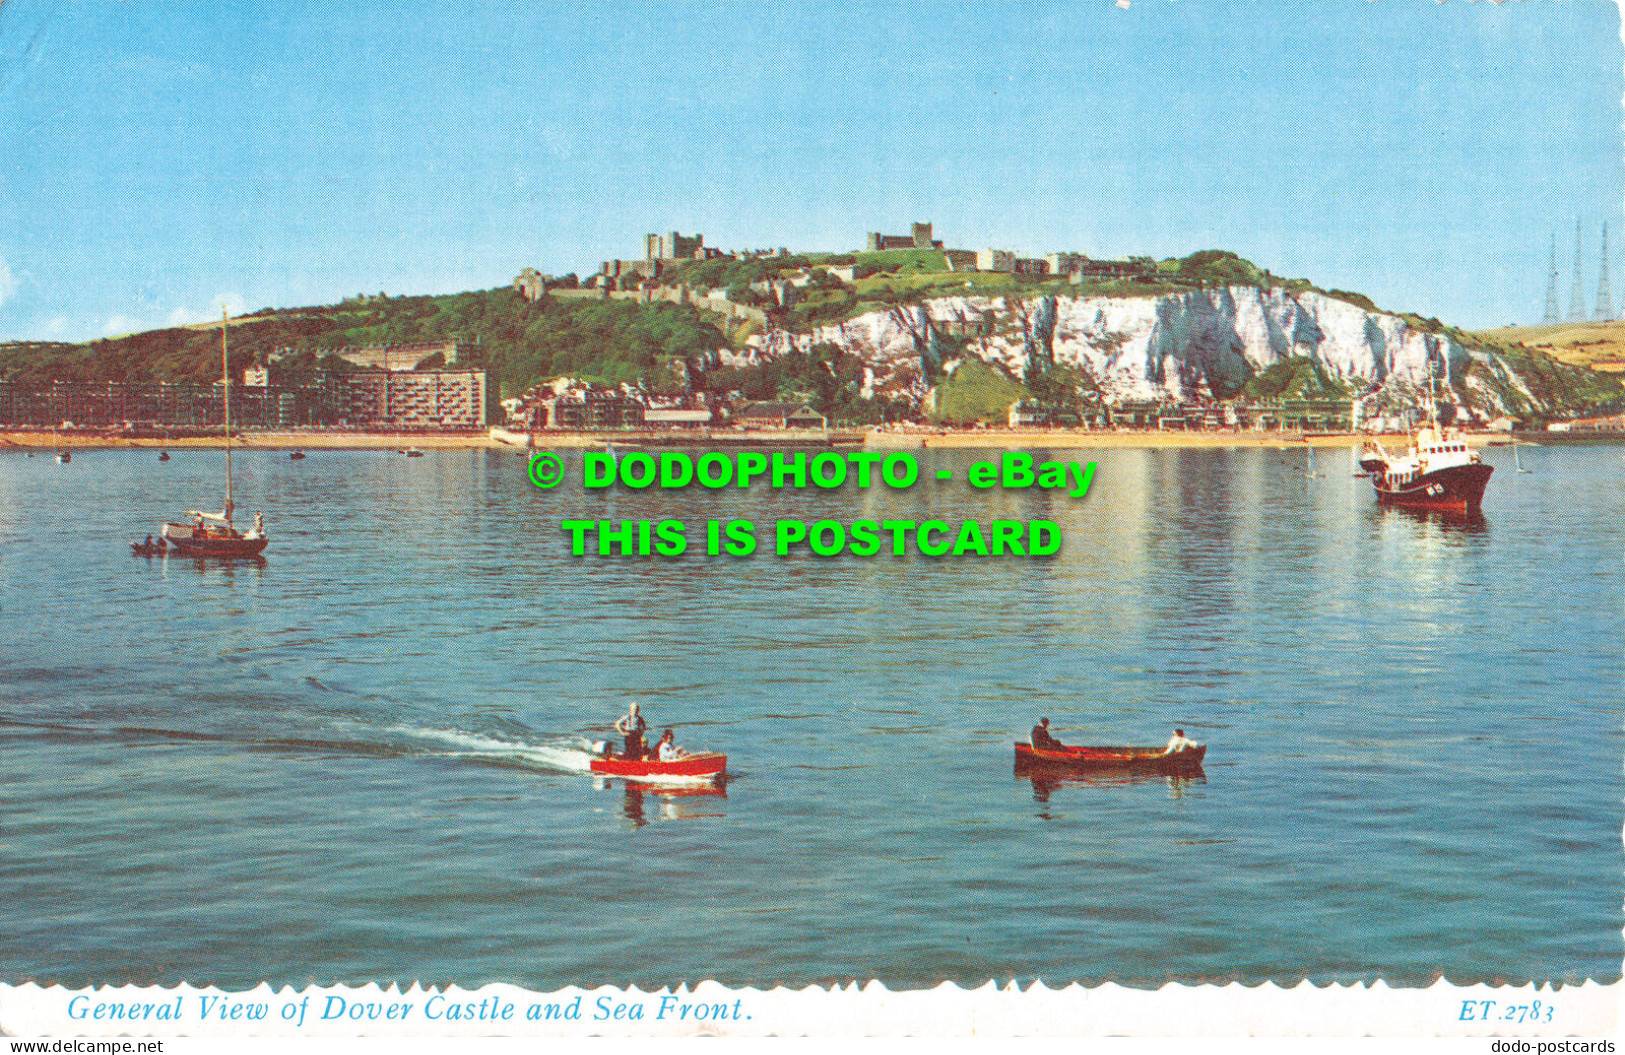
<point>816,520</point>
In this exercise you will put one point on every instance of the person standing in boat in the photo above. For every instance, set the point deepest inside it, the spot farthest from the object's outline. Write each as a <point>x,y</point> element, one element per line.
<point>1042,738</point>
<point>632,726</point>
<point>1178,743</point>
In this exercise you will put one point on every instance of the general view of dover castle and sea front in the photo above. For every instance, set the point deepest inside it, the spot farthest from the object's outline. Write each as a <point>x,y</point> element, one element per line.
<point>1207,623</point>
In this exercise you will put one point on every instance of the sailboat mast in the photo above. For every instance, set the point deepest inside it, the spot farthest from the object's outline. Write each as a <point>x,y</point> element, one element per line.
<point>1435,368</point>
<point>225,380</point>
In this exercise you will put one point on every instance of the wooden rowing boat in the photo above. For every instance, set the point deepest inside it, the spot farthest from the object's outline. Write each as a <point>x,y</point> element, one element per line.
<point>1076,759</point>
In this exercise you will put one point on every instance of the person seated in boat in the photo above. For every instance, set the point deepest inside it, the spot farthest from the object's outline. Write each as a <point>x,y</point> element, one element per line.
<point>259,527</point>
<point>147,544</point>
<point>1042,738</point>
<point>632,726</point>
<point>667,750</point>
<point>1178,743</point>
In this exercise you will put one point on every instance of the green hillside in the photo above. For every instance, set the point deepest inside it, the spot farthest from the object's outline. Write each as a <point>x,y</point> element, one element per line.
<point>975,391</point>
<point>519,341</point>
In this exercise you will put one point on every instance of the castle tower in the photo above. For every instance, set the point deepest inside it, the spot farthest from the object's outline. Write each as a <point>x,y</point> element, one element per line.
<point>1577,299</point>
<point>1605,298</point>
<point>1554,314</point>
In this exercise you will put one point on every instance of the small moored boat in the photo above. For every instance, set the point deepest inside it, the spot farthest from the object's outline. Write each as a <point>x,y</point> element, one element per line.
<point>215,534</point>
<point>1075,759</point>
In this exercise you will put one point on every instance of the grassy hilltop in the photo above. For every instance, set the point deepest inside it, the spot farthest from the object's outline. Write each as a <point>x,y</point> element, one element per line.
<point>1597,345</point>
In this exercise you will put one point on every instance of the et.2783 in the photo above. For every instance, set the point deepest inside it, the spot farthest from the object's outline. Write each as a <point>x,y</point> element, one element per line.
<point>1494,1011</point>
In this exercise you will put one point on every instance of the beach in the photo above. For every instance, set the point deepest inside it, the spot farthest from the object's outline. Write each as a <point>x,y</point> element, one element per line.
<point>315,439</point>
<point>917,438</point>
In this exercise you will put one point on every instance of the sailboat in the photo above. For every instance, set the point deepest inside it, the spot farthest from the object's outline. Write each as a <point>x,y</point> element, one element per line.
<point>1517,462</point>
<point>1310,471</point>
<point>214,534</point>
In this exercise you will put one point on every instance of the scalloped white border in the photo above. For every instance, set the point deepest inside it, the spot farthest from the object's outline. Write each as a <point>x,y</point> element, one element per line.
<point>871,1010</point>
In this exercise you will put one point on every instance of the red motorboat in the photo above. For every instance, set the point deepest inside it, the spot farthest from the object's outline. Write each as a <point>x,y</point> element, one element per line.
<point>1081,759</point>
<point>706,765</point>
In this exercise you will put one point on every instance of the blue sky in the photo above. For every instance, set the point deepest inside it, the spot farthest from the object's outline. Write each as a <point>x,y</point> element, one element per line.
<point>156,158</point>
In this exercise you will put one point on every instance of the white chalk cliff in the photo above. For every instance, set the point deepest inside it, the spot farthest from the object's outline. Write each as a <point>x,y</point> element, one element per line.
<point>1177,345</point>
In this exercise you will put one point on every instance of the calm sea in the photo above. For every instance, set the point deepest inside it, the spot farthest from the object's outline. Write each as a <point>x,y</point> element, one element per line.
<point>361,760</point>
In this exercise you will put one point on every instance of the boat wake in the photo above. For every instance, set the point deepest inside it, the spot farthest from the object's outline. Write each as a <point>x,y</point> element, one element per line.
<point>567,754</point>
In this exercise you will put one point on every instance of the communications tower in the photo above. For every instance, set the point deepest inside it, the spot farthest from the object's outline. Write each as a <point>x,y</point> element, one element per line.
<point>1554,314</point>
<point>1577,298</point>
<point>1605,298</point>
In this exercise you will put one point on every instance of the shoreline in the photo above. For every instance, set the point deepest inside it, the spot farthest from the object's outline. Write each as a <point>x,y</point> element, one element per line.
<point>270,440</point>
<point>913,439</point>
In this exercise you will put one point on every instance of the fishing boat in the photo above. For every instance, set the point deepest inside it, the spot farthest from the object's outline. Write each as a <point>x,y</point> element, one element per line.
<point>1089,759</point>
<point>215,534</point>
<point>706,765</point>
<point>1439,471</point>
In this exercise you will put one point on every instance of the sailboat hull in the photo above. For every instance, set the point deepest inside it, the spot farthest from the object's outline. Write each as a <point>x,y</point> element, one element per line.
<point>181,538</point>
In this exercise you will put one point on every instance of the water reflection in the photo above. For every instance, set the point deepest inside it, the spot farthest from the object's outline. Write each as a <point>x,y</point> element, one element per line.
<point>670,803</point>
<point>1046,784</point>
<point>226,567</point>
<point>1451,522</point>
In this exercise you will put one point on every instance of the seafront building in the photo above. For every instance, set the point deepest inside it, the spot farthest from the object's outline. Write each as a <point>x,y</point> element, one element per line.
<point>779,416</point>
<point>450,399</point>
<point>368,398</point>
